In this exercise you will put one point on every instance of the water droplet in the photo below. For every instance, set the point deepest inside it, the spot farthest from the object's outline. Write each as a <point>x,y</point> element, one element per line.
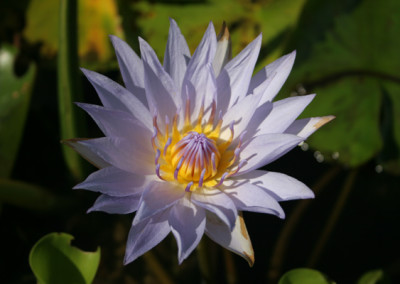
<point>301,90</point>
<point>319,157</point>
<point>378,169</point>
<point>304,146</point>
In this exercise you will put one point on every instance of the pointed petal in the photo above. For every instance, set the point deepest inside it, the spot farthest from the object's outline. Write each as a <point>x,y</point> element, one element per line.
<point>307,126</point>
<point>187,223</point>
<point>204,52</point>
<point>119,123</point>
<point>86,152</point>
<point>121,153</point>
<point>157,197</point>
<point>282,186</point>
<point>217,202</point>
<point>115,182</point>
<point>237,241</point>
<point>280,69</point>
<point>116,205</point>
<point>199,72</point>
<point>161,93</point>
<point>113,95</point>
<point>241,113</point>
<point>176,55</point>
<point>201,88</point>
<point>283,113</point>
<point>264,149</point>
<point>131,67</point>
<point>234,79</point>
<point>146,235</point>
<point>249,197</point>
<point>260,114</point>
<point>224,50</point>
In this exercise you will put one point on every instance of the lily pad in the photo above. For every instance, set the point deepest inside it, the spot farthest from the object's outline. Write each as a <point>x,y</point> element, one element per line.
<point>95,22</point>
<point>354,68</point>
<point>245,19</point>
<point>54,260</point>
<point>304,276</point>
<point>15,93</point>
<point>374,277</point>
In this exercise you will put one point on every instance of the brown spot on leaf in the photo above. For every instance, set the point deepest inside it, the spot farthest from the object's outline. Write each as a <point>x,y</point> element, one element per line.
<point>15,95</point>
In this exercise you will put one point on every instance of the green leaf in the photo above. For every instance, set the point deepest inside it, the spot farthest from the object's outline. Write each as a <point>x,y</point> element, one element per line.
<point>15,93</point>
<point>246,19</point>
<point>374,277</point>
<point>28,196</point>
<point>54,260</point>
<point>304,276</point>
<point>353,66</point>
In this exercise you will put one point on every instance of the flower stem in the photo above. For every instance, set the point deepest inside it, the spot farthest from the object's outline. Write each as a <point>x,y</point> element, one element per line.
<point>68,83</point>
<point>157,269</point>
<point>330,225</point>
<point>281,246</point>
<point>206,260</point>
<point>230,268</point>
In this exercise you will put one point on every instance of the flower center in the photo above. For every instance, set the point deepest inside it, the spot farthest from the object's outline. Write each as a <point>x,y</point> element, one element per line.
<point>194,154</point>
<point>195,157</point>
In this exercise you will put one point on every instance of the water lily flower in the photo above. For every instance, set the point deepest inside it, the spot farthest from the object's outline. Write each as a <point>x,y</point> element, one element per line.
<point>184,141</point>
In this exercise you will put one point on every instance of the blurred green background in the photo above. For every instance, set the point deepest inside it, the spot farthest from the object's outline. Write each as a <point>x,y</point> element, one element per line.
<point>348,52</point>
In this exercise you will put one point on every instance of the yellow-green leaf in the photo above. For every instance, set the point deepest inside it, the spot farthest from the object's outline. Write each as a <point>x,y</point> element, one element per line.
<point>96,20</point>
<point>54,260</point>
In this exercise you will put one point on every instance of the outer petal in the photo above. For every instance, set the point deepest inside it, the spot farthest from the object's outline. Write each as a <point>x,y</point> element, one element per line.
<point>159,196</point>
<point>249,197</point>
<point>146,235</point>
<point>280,69</point>
<point>224,50</point>
<point>113,95</point>
<point>237,240</point>
<point>283,113</point>
<point>218,203</point>
<point>176,55</point>
<point>131,67</point>
<point>121,153</point>
<point>116,182</point>
<point>233,81</point>
<point>86,152</point>
<point>116,205</point>
<point>282,186</point>
<point>161,92</point>
<point>307,126</point>
<point>187,223</point>
<point>264,149</point>
<point>120,124</point>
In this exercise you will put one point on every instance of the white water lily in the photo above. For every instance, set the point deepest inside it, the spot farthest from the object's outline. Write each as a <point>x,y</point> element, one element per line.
<point>183,142</point>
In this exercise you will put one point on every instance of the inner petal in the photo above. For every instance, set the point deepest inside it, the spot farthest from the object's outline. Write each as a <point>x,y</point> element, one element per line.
<point>195,157</point>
